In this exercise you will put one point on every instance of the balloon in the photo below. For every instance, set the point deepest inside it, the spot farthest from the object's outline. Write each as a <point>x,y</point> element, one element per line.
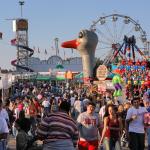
<point>113,67</point>
<point>138,63</point>
<point>117,71</point>
<point>39,96</point>
<point>129,82</point>
<point>142,82</point>
<point>130,62</point>
<point>143,68</point>
<point>121,67</point>
<point>136,67</point>
<point>135,82</point>
<point>147,83</point>
<point>128,68</point>
<point>117,84</point>
<point>144,63</point>
<point>123,62</point>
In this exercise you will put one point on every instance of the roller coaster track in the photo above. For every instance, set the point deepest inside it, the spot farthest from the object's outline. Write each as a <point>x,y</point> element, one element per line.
<point>14,62</point>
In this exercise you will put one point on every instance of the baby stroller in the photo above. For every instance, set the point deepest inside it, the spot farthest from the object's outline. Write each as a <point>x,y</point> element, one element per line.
<point>124,141</point>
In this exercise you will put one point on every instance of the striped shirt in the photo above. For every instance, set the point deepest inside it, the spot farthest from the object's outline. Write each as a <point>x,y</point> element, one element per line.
<point>58,126</point>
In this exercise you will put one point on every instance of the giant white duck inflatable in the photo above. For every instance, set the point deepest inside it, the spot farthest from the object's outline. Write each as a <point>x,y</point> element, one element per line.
<point>86,44</point>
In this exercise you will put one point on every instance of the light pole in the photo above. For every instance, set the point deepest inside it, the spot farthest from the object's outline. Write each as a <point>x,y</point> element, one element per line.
<point>148,48</point>
<point>56,46</point>
<point>21,3</point>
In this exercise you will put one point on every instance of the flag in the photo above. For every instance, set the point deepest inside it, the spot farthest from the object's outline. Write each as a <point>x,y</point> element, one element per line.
<point>72,50</point>
<point>64,55</point>
<point>38,50</point>
<point>1,35</point>
<point>45,52</point>
<point>13,42</point>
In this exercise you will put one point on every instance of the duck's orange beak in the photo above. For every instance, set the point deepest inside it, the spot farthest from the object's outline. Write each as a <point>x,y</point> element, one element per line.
<point>70,44</point>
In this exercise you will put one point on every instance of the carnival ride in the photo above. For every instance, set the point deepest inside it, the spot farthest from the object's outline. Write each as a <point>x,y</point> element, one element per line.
<point>133,69</point>
<point>15,62</point>
<point>127,49</point>
<point>111,30</point>
<point>20,27</point>
<point>118,37</point>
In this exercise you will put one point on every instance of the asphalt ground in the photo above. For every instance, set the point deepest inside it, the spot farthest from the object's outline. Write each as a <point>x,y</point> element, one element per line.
<point>12,144</point>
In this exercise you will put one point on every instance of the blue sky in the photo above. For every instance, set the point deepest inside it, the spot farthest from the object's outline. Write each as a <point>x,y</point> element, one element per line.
<point>49,19</point>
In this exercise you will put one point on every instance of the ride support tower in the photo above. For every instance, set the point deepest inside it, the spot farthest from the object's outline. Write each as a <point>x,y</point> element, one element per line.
<point>20,26</point>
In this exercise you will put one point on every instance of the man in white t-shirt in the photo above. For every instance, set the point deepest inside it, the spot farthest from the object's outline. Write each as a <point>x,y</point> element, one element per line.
<point>135,121</point>
<point>72,100</point>
<point>3,133</point>
<point>46,105</point>
<point>3,112</point>
<point>3,128</point>
<point>88,125</point>
<point>78,107</point>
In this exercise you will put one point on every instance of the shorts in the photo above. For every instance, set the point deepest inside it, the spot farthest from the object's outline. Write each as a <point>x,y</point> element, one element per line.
<point>88,145</point>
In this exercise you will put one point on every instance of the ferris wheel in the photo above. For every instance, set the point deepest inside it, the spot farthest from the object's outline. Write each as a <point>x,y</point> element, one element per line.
<point>111,30</point>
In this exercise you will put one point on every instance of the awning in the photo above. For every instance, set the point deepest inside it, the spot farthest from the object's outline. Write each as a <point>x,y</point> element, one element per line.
<point>43,78</point>
<point>79,76</point>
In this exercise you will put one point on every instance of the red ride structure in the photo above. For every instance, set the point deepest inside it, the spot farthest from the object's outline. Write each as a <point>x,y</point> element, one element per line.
<point>134,68</point>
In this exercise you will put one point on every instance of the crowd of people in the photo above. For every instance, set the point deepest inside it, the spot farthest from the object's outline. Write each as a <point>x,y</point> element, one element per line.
<point>71,118</point>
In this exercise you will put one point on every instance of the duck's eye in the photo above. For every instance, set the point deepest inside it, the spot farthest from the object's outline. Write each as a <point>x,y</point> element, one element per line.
<point>81,35</point>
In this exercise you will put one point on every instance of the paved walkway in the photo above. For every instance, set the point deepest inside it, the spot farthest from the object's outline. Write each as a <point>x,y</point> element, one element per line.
<point>11,143</point>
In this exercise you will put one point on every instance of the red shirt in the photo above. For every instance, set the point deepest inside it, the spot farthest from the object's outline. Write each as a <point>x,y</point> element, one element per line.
<point>114,123</point>
<point>37,105</point>
<point>20,106</point>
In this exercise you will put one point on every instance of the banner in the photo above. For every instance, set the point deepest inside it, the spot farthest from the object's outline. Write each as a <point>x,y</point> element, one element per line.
<point>101,72</point>
<point>101,87</point>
